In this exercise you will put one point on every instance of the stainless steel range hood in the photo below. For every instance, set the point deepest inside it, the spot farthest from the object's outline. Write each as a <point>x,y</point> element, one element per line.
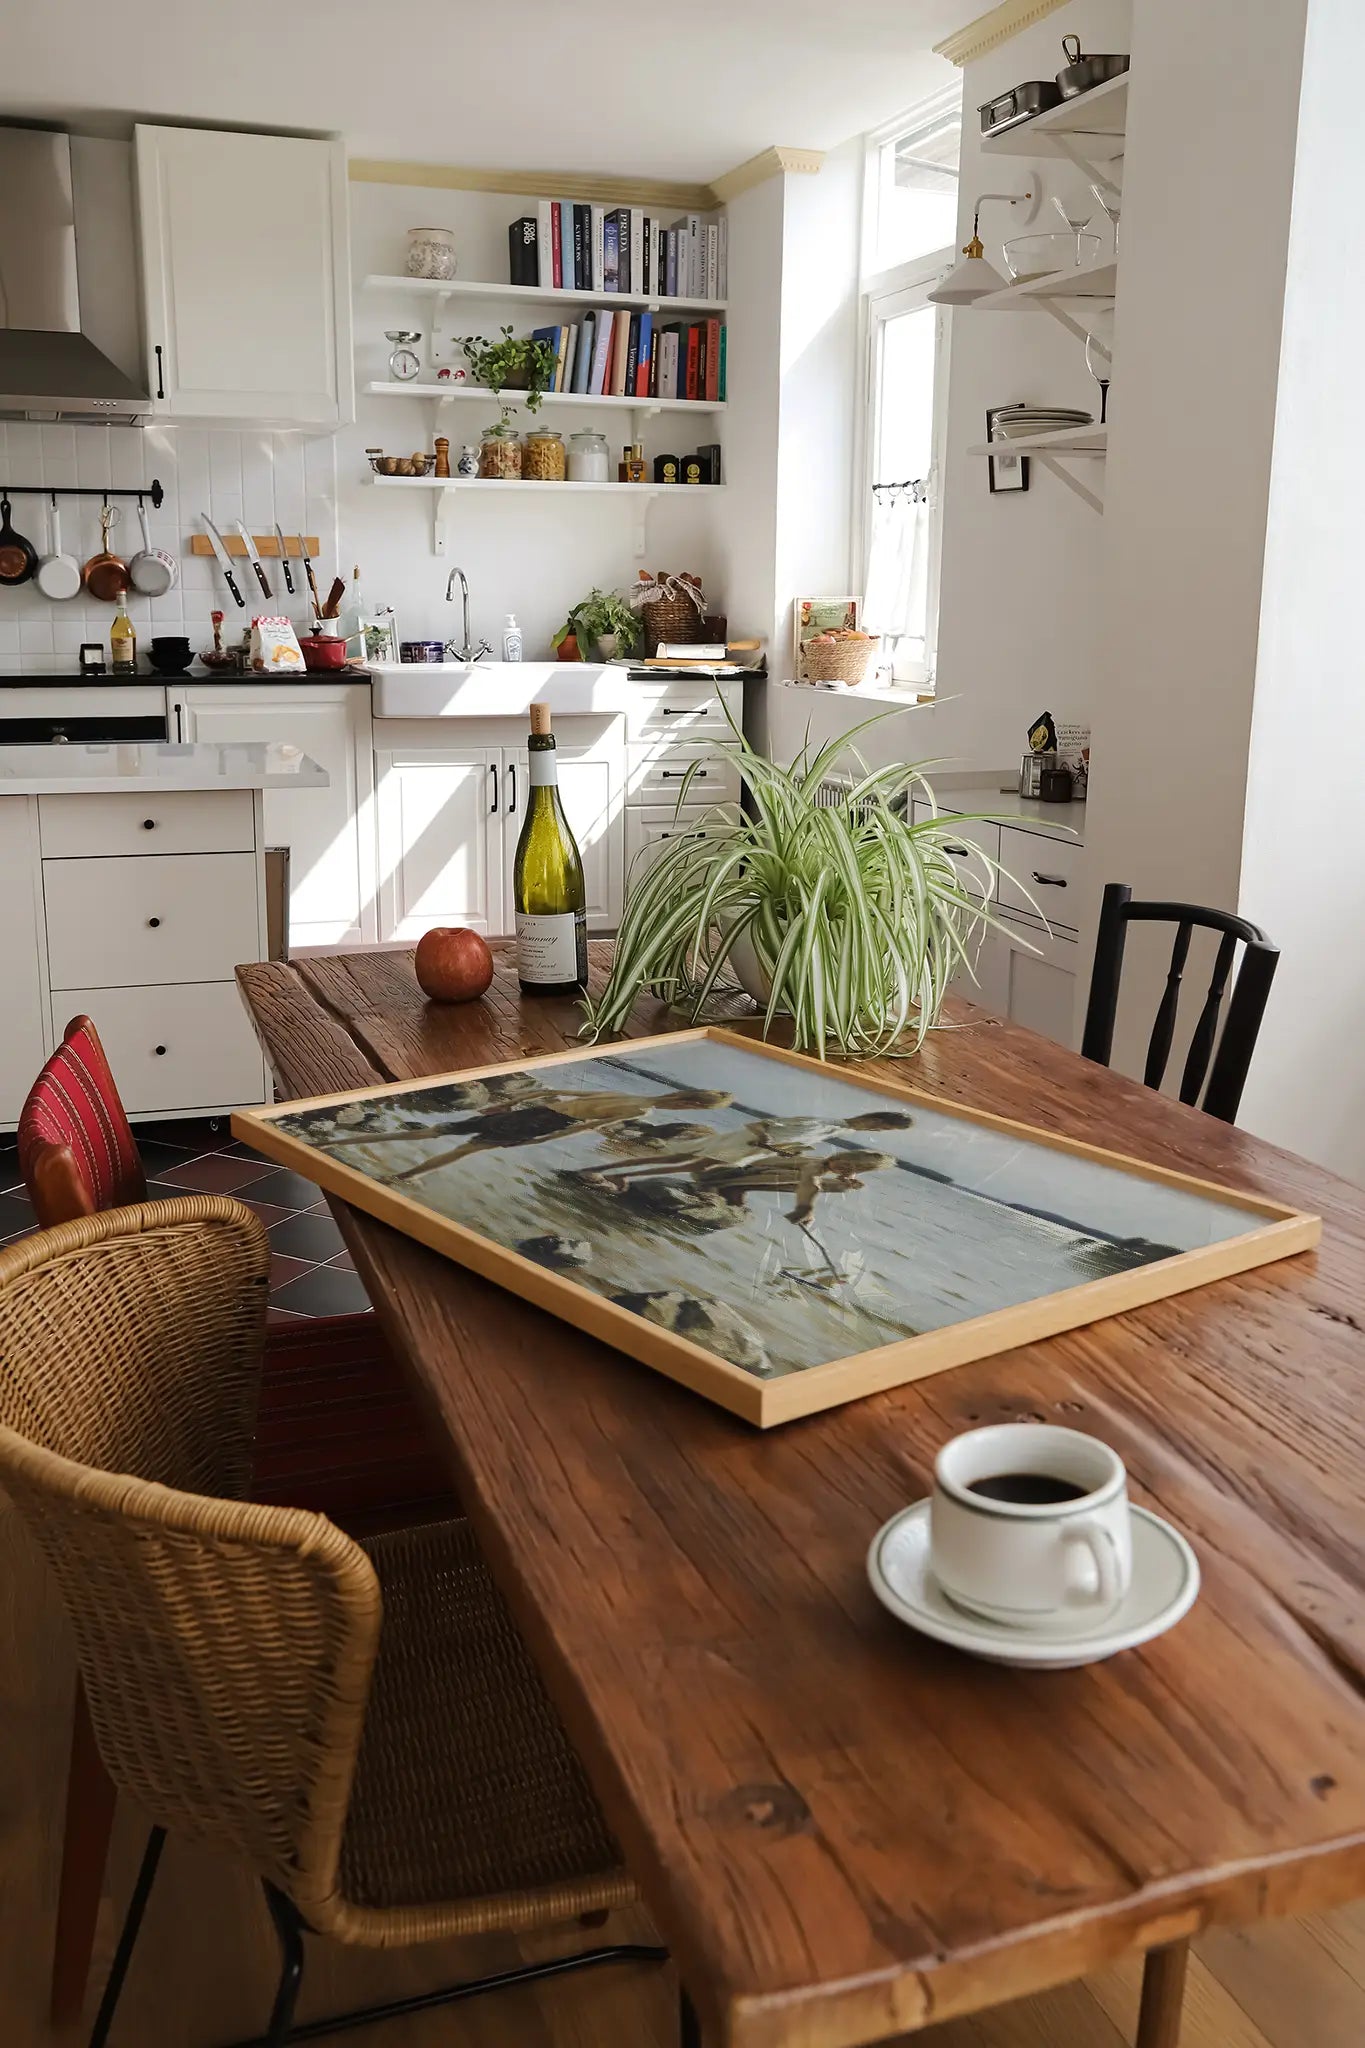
<point>49,368</point>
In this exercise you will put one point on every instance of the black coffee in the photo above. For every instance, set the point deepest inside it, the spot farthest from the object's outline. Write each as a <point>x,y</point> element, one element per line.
<point>1028,1489</point>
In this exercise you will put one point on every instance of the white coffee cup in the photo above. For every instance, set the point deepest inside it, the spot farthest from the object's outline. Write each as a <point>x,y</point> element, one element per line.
<point>1044,1554</point>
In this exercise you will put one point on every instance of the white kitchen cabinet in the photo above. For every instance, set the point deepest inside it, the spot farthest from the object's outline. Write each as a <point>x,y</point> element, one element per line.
<point>246,276</point>
<point>22,1047</point>
<point>590,789</point>
<point>451,801</point>
<point>330,832</point>
<point>442,858</point>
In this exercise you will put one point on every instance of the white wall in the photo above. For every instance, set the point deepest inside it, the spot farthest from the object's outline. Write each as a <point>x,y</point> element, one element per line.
<point>1021,605</point>
<point>1207,185</point>
<point>1303,848</point>
<point>528,554</point>
<point>747,519</point>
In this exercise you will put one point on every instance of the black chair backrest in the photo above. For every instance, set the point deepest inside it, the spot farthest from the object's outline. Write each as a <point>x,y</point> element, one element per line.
<point>1228,1069</point>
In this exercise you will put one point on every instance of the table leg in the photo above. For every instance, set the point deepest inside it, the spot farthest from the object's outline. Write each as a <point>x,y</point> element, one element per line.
<point>1163,1996</point>
<point>689,2028</point>
<point>89,1824</point>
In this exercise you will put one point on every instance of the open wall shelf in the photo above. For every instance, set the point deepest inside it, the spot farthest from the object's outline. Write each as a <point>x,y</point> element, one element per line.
<point>1089,128</point>
<point>620,401</point>
<point>639,496</point>
<point>536,295</point>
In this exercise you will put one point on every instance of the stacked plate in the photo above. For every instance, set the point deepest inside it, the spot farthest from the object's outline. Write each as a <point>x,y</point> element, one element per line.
<point>1016,422</point>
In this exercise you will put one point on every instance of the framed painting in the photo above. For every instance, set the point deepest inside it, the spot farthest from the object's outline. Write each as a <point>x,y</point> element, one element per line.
<point>1004,472</point>
<point>779,1235</point>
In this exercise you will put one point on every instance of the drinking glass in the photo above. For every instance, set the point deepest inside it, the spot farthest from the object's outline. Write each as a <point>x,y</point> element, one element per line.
<point>1099,355</point>
<point>1076,220</point>
<point>1110,199</point>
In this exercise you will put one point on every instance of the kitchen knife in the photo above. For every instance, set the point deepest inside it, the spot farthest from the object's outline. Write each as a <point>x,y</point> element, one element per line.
<point>308,571</point>
<point>254,558</point>
<point>284,561</point>
<point>224,561</point>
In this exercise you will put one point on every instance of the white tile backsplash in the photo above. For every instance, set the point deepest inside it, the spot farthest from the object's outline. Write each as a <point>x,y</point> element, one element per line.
<point>252,475</point>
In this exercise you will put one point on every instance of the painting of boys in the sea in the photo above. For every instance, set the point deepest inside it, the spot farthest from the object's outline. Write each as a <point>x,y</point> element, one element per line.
<point>775,1214</point>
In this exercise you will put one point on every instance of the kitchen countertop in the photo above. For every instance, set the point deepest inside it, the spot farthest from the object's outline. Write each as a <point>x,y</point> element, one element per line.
<point>1007,807</point>
<point>144,766</point>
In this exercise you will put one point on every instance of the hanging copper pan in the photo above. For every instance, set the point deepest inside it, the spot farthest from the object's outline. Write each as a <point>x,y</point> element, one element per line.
<point>106,574</point>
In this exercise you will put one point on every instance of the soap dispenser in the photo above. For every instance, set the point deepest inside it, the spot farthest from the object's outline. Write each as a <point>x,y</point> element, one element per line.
<point>511,639</point>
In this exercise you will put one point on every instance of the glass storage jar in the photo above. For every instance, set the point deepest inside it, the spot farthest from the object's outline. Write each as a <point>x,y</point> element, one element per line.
<point>588,458</point>
<point>500,452</point>
<point>542,455</point>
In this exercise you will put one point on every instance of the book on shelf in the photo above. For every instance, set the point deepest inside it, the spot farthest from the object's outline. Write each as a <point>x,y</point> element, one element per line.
<point>568,343</point>
<point>611,253</point>
<point>712,266</point>
<point>620,350</point>
<point>582,246</point>
<point>670,290</point>
<point>582,368</point>
<point>598,381</point>
<point>643,357</point>
<point>647,238</point>
<point>720,381</point>
<point>630,389</point>
<point>637,249</point>
<point>723,257</point>
<point>689,387</point>
<point>523,260</point>
<point>545,271</point>
<point>711,384</point>
<point>599,216</point>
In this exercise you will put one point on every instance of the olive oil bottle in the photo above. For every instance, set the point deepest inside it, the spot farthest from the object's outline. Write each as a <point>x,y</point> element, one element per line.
<point>547,881</point>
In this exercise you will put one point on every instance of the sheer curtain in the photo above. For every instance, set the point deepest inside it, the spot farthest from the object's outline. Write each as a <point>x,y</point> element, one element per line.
<point>896,588</point>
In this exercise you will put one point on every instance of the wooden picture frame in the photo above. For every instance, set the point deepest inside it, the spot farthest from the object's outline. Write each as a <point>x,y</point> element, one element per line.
<point>1004,472</point>
<point>1273,1231</point>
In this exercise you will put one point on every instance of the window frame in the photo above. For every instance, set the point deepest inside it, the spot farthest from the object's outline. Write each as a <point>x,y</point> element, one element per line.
<point>886,295</point>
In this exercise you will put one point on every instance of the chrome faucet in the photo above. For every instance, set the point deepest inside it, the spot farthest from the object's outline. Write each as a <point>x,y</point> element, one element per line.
<point>468,652</point>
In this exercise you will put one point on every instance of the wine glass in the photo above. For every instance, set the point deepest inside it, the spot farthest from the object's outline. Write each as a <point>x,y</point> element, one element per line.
<point>1111,200</point>
<point>1077,222</point>
<point>1099,355</point>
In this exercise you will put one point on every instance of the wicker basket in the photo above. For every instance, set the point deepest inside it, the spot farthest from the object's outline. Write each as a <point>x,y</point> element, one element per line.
<point>837,661</point>
<point>671,619</point>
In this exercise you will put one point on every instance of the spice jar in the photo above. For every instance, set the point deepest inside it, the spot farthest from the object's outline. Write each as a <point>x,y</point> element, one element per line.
<point>500,452</point>
<point>588,458</point>
<point>542,455</point>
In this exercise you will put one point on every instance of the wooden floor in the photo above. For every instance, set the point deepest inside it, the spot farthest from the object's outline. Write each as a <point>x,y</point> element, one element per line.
<point>204,1970</point>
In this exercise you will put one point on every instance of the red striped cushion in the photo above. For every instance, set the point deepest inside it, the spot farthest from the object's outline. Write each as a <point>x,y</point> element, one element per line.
<point>74,1102</point>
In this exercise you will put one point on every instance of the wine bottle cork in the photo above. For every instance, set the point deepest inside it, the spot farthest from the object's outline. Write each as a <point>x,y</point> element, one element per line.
<point>540,718</point>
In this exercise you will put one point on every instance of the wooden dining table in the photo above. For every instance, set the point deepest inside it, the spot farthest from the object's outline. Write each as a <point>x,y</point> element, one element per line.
<point>845,1831</point>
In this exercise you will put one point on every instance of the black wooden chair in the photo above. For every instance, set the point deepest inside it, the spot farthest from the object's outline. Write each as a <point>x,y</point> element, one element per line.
<point>1226,1069</point>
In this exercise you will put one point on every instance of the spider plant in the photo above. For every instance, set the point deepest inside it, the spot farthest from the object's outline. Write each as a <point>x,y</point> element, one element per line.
<point>854,917</point>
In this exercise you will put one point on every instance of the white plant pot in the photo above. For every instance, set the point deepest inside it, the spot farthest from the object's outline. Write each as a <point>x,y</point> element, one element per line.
<point>749,972</point>
<point>607,644</point>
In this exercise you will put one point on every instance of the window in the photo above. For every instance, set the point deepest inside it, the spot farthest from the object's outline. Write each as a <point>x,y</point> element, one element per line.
<point>910,219</point>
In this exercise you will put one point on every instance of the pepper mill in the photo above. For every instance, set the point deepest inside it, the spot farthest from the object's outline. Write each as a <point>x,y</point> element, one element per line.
<point>442,446</point>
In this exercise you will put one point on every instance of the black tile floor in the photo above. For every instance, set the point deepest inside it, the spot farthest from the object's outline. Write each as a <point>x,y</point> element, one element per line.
<point>310,1271</point>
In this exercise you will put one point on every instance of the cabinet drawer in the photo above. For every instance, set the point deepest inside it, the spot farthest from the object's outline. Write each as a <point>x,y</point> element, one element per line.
<point>657,778</point>
<point>680,708</point>
<point>961,837</point>
<point>173,1048</point>
<point>648,828</point>
<point>181,821</point>
<point>186,917</point>
<point>1050,870</point>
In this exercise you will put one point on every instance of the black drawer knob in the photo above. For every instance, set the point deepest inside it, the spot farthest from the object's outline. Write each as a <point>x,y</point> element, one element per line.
<point>149,824</point>
<point>154,922</point>
<point>160,1049</point>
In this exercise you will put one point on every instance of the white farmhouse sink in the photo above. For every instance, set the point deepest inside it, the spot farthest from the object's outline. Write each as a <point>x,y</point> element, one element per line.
<point>491,689</point>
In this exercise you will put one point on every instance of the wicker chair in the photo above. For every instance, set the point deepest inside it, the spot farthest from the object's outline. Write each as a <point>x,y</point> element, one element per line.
<point>360,1724</point>
<point>337,1429</point>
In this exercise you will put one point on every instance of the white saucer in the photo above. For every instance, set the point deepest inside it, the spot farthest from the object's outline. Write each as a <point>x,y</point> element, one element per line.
<point>1165,1587</point>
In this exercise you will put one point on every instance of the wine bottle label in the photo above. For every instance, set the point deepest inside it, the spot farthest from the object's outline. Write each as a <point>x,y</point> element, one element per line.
<point>547,946</point>
<point>544,769</point>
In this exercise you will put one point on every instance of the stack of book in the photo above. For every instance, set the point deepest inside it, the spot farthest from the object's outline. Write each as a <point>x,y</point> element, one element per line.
<point>639,355</point>
<point>569,245</point>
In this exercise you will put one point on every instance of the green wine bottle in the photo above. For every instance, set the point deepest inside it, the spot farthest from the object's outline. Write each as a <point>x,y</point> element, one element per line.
<point>547,881</point>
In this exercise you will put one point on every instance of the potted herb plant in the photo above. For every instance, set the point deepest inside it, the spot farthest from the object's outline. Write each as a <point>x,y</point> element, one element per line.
<point>849,918</point>
<point>512,363</point>
<point>603,626</point>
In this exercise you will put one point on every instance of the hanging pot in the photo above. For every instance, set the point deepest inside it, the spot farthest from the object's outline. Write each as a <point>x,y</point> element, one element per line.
<point>18,557</point>
<point>152,571</point>
<point>106,574</point>
<point>59,574</point>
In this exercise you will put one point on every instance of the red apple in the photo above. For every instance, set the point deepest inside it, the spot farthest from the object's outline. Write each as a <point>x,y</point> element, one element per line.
<point>453,964</point>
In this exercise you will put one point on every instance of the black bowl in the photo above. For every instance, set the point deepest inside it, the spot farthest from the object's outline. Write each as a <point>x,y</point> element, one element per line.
<point>170,664</point>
